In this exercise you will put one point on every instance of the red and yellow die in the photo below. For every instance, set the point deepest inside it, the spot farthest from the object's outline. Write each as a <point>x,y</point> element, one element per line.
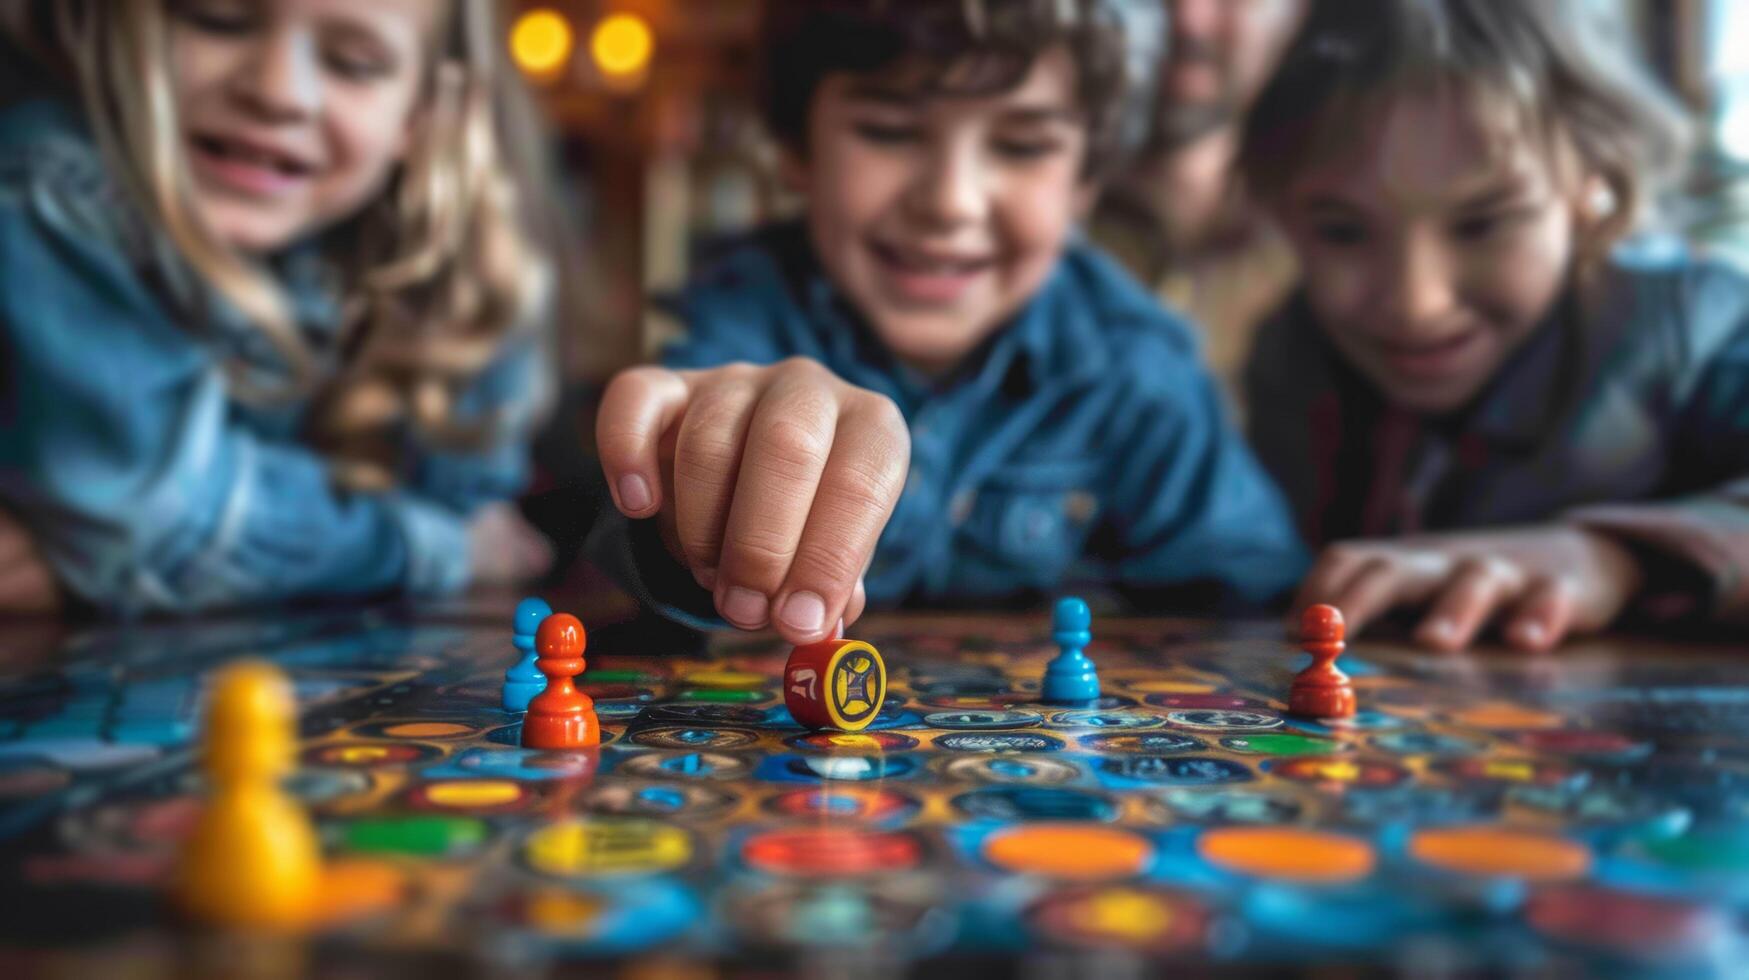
<point>835,684</point>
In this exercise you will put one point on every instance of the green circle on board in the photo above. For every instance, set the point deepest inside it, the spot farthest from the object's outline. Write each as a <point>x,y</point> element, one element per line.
<point>1703,851</point>
<point>427,836</point>
<point>714,696</point>
<point>1280,743</point>
<point>618,677</point>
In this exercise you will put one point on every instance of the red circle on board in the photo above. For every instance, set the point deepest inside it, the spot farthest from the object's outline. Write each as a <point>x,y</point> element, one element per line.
<point>829,852</point>
<point>1641,925</point>
<point>1203,701</point>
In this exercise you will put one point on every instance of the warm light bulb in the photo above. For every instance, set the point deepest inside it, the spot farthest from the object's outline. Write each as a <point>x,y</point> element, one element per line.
<point>622,45</point>
<point>540,41</point>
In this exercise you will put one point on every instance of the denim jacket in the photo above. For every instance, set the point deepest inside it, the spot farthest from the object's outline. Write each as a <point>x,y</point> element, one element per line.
<point>1627,411</point>
<point>1083,445</point>
<point>145,483</point>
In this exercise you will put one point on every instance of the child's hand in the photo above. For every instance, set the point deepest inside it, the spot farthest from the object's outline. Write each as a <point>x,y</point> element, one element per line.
<point>27,585</point>
<point>505,549</point>
<point>777,482</point>
<point>1544,582</point>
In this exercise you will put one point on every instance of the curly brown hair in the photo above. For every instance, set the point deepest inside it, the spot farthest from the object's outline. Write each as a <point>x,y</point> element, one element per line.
<point>955,48</point>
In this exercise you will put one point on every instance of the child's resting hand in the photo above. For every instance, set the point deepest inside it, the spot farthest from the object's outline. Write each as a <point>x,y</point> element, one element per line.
<point>1543,581</point>
<point>27,584</point>
<point>773,482</point>
<point>504,548</point>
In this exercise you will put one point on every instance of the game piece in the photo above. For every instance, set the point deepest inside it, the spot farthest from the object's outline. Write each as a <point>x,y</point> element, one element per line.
<point>560,717</point>
<point>252,860</point>
<point>524,680</point>
<point>1071,678</point>
<point>835,683</point>
<point>1321,690</point>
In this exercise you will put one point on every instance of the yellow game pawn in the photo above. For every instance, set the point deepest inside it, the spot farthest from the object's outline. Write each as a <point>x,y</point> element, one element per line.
<point>253,861</point>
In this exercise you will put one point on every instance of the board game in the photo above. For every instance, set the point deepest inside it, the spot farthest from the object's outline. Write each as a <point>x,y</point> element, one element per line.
<point>1584,812</point>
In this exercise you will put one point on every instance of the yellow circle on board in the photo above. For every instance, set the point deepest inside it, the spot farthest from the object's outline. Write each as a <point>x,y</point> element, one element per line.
<point>1499,852</point>
<point>562,913</point>
<point>1501,716</point>
<point>1172,687</point>
<point>725,678</point>
<point>622,44</point>
<point>474,792</point>
<point>1126,914</point>
<point>541,41</point>
<point>428,729</point>
<point>1287,853</point>
<point>1078,852</point>
<point>355,754</point>
<point>608,847</point>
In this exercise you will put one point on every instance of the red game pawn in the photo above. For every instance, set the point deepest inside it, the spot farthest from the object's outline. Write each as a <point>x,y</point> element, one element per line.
<point>560,717</point>
<point>1321,690</point>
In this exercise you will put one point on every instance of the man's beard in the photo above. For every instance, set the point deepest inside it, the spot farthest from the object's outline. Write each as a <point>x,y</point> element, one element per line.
<point>1181,125</point>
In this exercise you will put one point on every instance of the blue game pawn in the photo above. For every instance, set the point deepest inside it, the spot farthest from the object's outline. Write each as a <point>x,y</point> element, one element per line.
<point>1070,678</point>
<point>524,680</point>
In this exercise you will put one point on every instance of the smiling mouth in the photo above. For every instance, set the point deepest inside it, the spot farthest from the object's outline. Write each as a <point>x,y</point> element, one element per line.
<point>252,154</point>
<point>925,278</point>
<point>1431,359</point>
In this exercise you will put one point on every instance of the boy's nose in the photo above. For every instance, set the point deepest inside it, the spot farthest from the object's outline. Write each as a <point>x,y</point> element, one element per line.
<point>950,191</point>
<point>1421,288</point>
<point>283,79</point>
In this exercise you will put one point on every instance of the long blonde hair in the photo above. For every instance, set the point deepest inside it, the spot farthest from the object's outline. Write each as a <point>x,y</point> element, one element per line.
<point>446,262</point>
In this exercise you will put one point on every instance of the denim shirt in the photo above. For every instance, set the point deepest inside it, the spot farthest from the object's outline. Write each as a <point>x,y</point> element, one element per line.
<point>1626,411</point>
<point>145,483</point>
<point>1083,445</point>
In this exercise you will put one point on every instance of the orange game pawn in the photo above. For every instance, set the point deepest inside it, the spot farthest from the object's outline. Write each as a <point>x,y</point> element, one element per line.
<point>560,717</point>
<point>1321,690</point>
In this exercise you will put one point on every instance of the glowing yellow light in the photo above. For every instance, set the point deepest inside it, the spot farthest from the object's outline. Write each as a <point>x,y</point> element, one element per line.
<point>622,45</point>
<point>540,41</point>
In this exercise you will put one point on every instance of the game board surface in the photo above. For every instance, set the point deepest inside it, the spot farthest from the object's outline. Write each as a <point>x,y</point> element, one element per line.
<point>1582,812</point>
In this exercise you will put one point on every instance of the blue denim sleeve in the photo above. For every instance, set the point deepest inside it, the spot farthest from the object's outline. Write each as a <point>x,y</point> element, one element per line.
<point>1191,501</point>
<point>505,403</point>
<point>119,448</point>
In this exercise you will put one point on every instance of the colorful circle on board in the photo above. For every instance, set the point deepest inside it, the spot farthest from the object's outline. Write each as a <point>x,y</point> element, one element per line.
<point>725,678</point>
<point>1223,719</point>
<point>1203,701</point>
<point>1646,927</point>
<point>695,739</point>
<point>1436,744</point>
<point>851,768</point>
<point>981,720</point>
<point>998,742</point>
<point>1111,720</point>
<point>1500,852</point>
<point>1134,918</point>
<point>866,804</point>
<point>705,715</point>
<point>1281,743</point>
<point>518,763</point>
<point>1341,771</point>
<point>1009,803</point>
<point>1364,720</point>
<point>830,852</point>
<point>1288,854</point>
<point>622,693</point>
<point>413,728</point>
<point>1509,771</point>
<point>1069,851</point>
<point>1172,770</point>
<point>867,914</point>
<point>625,798</point>
<point>609,675</point>
<point>1150,742</point>
<point>1590,746</point>
<point>714,695</point>
<point>369,755</point>
<point>613,711</point>
<point>1167,686</point>
<point>627,916</point>
<point>1032,770</point>
<point>998,701</point>
<point>1241,806</point>
<point>423,835</point>
<point>851,743</point>
<point>471,796</point>
<point>591,847</point>
<point>690,765</point>
<point>1502,716</point>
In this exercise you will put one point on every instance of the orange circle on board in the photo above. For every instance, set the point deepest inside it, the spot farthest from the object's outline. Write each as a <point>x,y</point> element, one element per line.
<point>1079,852</point>
<point>428,729</point>
<point>1287,853</point>
<point>1501,716</point>
<point>1501,853</point>
<point>351,889</point>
